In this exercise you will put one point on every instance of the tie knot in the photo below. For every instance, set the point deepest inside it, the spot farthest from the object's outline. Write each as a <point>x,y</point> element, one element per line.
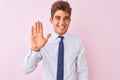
<point>61,37</point>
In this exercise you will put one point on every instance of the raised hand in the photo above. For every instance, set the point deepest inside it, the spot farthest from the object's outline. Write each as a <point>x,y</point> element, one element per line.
<point>37,39</point>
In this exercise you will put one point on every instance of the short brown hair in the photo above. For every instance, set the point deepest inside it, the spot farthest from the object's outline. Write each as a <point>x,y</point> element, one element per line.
<point>60,5</point>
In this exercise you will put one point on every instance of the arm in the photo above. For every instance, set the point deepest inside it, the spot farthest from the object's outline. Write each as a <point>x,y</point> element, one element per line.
<point>31,61</point>
<point>82,66</point>
<point>37,42</point>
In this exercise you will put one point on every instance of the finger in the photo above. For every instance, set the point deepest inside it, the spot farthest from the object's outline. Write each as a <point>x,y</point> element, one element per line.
<point>41,27</point>
<point>35,28</point>
<point>32,30</point>
<point>38,26</point>
<point>47,37</point>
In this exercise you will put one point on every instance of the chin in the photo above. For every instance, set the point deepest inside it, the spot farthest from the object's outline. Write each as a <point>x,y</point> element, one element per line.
<point>62,33</point>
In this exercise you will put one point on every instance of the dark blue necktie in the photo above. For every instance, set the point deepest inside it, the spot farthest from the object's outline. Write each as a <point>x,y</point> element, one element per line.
<point>60,66</point>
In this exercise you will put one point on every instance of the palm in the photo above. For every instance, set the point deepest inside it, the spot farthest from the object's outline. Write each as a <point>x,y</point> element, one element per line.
<point>37,39</point>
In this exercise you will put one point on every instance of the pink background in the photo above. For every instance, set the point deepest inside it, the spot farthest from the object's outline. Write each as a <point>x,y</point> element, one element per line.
<point>96,22</point>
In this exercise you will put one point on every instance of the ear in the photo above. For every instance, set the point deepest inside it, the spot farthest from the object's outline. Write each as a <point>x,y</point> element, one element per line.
<point>51,19</point>
<point>70,19</point>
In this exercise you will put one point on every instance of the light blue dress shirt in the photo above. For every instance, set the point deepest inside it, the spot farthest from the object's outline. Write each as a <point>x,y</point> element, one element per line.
<point>74,59</point>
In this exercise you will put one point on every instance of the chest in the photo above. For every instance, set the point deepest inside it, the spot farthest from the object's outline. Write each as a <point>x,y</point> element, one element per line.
<point>70,51</point>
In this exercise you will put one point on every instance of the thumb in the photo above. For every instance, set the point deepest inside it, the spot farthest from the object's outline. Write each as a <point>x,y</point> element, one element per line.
<point>47,37</point>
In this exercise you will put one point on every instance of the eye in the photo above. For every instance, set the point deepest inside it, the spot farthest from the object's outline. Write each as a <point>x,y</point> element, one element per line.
<point>57,17</point>
<point>67,18</point>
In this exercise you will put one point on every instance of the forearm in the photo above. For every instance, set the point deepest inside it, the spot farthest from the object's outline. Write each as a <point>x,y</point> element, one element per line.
<point>30,62</point>
<point>83,74</point>
<point>82,67</point>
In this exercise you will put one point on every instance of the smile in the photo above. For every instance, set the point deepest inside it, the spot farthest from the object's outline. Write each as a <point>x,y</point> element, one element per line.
<point>61,27</point>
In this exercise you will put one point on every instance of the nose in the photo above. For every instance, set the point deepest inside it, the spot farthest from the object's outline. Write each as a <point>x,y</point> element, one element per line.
<point>62,21</point>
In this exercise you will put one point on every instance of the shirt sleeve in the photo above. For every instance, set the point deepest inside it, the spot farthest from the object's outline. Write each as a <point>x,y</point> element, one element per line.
<point>82,65</point>
<point>31,61</point>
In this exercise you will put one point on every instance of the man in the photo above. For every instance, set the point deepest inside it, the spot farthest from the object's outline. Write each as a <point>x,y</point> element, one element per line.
<point>62,54</point>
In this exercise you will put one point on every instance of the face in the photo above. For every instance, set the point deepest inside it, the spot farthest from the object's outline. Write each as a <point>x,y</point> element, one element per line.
<point>60,21</point>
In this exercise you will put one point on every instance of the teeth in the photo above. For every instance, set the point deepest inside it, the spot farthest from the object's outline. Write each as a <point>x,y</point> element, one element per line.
<point>61,27</point>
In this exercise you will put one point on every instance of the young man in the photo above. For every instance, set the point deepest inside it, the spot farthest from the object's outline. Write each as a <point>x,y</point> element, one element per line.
<point>62,54</point>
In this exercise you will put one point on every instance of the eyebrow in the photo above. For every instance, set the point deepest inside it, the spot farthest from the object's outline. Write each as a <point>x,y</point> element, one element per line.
<point>57,16</point>
<point>64,17</point>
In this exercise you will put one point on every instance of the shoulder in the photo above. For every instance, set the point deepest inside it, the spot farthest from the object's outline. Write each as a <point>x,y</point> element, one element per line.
<point>73,38</point>
<point>76,42</point>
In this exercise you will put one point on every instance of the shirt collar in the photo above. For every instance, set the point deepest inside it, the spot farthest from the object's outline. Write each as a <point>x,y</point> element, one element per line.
<point>55,36</point>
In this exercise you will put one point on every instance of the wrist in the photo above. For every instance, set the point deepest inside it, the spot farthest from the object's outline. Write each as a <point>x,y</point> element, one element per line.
<point>35,49</point>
